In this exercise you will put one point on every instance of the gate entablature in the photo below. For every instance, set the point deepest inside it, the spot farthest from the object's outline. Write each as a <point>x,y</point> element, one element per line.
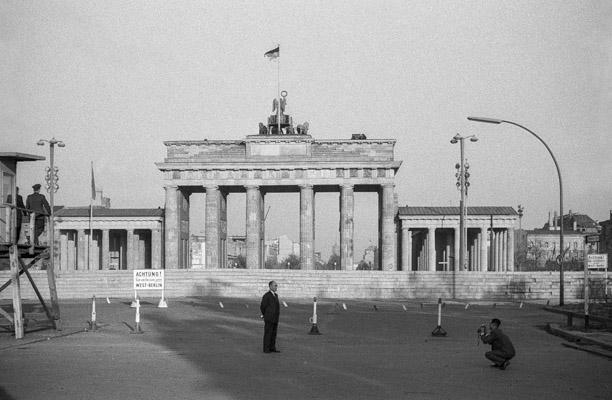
<point>279,160</point>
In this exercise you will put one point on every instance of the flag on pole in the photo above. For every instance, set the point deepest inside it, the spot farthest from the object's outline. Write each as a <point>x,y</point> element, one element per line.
<point>273,54</point>
<point>93,184</point>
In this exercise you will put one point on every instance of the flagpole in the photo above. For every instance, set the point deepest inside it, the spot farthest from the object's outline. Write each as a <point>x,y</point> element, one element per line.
<point>278,89</point>
<point>90,227</point>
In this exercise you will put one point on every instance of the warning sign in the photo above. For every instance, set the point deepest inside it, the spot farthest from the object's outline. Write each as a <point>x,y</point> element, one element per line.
<point>148,279</point>
<point>597,261</point>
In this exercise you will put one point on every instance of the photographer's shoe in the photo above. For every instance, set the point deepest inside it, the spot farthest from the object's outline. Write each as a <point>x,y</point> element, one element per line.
<point>504,365</point>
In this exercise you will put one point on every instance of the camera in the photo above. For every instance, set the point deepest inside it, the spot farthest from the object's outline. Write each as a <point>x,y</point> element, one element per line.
<point>482,329</point>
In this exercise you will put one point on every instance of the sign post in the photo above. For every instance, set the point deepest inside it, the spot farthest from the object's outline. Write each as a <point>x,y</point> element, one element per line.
<point>150,279</point>
<point>599,262</point>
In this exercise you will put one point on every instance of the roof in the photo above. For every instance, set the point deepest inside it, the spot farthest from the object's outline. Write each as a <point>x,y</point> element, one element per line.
<point>111,212</point>
<point>484,210</point>
<point>20,156</point>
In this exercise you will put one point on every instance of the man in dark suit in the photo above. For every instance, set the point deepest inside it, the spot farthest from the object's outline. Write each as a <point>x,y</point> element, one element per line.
<point>270,312</point>
<point>38,204</point>
<point>19,212</point>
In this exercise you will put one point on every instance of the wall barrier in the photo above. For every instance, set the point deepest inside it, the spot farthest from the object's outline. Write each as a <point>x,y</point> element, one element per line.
<point>516,286</point>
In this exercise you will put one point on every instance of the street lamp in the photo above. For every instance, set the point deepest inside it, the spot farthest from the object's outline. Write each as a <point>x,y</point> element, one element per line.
<point>52,186</point>
<point>562,252</point>
<point>462,184</point>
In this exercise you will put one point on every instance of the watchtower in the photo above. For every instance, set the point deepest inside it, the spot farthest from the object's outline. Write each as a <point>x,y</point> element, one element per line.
<point>18,250</point>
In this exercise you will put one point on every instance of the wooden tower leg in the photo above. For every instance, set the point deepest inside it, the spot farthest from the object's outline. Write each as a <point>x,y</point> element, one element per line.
<point>53,293</point>
<point>17,310</point>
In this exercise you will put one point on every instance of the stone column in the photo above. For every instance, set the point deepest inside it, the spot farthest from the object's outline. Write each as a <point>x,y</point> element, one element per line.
<point>406,248</point>
<point>222,229</point>
<point>502,252</point>
<point>457,246</point>
<point>82,250</point>
<point>484,254</point>
<point>510,261</point>
<point>105,248</point>
<point>262,229</point>
<point>63,253</point>
<point>424,250</point>
<point>129,252</point>
<point>387,228</point>
<point>212,226</point>
<point>497,243</point>
<point>253,227</point>
<point>431,248</point>
<point>156,248</point>
<point>307,227</point>
<point>347,209</point>
<point>172,228</point>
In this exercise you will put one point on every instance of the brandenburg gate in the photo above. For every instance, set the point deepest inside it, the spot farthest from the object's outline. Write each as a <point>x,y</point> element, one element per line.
<point>276,163</point>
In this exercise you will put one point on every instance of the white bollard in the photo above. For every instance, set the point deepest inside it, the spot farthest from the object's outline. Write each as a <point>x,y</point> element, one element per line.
<point>162,301</point>
<point>92,324</point>
<point>439,331</point>
<point>137,328</point>
<point>133,305</point>
<point>314,329</point>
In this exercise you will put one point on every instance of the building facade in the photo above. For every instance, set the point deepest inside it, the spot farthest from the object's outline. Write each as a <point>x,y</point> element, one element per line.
<point>543,245</point>
<point>120,239</point>
<point>262,164</point>
<point>430,237</point>
<point>605,239</point>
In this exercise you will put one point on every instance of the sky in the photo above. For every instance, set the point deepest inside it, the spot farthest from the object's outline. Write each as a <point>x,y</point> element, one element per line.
<point>114,79</point>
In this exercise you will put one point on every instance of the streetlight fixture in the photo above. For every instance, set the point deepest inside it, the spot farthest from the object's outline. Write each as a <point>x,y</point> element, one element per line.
<point>52,186</point>
<point>462,184</point>
<point>562,252</point>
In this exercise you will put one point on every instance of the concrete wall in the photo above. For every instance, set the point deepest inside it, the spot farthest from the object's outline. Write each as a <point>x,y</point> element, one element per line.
<point>324,284</point>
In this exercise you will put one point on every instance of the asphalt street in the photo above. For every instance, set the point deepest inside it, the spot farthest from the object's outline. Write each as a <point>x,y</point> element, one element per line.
<point>196,349</point>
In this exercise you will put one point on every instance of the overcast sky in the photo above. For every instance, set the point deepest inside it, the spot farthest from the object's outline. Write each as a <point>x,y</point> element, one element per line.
<point>113,79</point>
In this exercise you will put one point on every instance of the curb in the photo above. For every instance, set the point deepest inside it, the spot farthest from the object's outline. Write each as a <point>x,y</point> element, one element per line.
<point>578,338</point>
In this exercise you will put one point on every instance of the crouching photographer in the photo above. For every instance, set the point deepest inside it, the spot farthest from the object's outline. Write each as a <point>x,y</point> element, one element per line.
<point>502,349</point>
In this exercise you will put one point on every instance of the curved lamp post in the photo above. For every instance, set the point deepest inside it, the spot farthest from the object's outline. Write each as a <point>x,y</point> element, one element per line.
<point>562,252</point>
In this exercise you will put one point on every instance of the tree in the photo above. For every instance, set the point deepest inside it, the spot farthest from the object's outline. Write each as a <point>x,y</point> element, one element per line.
<point>333,262</point>
<point>291,262</point>
<point>271,262</point>
<point>364,266</point>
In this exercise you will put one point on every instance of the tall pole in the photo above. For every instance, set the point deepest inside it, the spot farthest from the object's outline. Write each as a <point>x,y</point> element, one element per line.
<point>52,187</point>
<point>462,185</point>
<point>278,111</point>
<point>462,241</point>
<point>562,252</point>
<point>51,267</point>
<point>90,227</point>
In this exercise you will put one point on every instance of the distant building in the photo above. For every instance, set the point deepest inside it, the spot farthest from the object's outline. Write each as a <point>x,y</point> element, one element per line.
<point>605,239</point>
<point>122,238</point>
<point>236,247</point>
<point>198,251</point>
<point>430,236</point>
<point>543,245</point>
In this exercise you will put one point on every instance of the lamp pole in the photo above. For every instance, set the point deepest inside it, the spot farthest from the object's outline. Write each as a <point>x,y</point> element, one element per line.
<point>521,209</point>
<point>562,252</point>
<point>52,186</point>
<point>462,184</point>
